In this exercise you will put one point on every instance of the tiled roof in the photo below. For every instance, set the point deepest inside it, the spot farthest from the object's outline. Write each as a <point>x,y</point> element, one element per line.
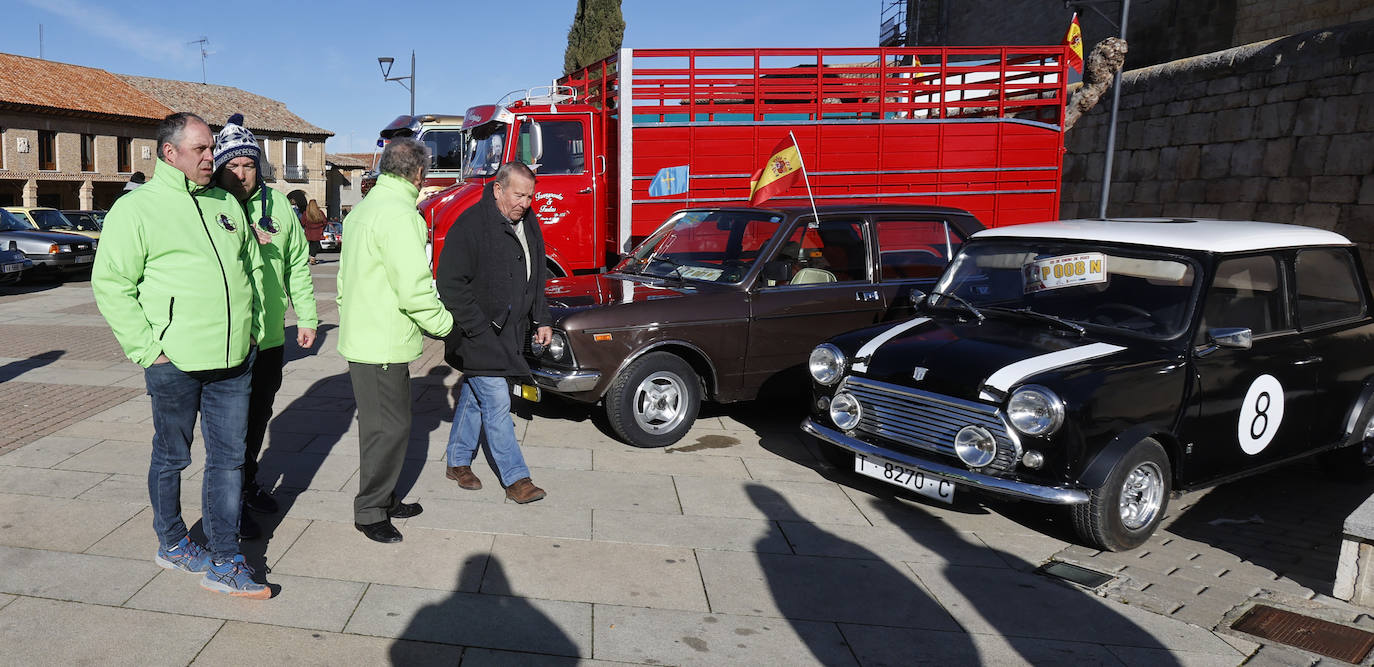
<point>43,83</point>
<point>349,160</point>
<point>362,160</point>
<point>216,103</point>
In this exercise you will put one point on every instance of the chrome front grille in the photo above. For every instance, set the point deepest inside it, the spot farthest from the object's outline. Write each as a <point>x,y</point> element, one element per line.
<point>927,421</point>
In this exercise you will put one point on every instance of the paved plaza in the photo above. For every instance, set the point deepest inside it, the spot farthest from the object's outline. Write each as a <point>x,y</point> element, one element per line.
<point>738,545</point>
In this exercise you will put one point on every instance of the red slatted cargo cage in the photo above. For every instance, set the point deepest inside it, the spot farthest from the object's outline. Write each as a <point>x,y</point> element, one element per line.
<point>977,128</point>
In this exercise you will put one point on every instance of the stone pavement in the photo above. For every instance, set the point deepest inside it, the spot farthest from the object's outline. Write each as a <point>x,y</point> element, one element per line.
<point>735,546</point>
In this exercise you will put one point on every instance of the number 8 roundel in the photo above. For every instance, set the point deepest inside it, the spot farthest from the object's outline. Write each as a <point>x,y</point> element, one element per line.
<point>1260,414</point>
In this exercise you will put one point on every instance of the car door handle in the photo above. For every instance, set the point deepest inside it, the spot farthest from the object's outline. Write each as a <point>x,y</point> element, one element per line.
<point>586,190</point>
<point>866,295</point>
<point>1310,360</point>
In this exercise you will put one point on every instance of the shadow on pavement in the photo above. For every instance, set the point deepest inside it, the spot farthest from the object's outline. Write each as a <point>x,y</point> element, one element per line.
<point>488,621</point>
<point>294,351</point>
<point>14,369</point>
<point>284,469</point>
<point>431,406</point>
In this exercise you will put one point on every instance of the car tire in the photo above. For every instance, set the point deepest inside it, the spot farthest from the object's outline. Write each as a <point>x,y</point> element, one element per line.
<point>655,401</point>
<point>1142,477</point>
<point>1349,464</point>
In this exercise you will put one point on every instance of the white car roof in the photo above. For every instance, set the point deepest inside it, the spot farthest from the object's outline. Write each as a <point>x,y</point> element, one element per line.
<point>1183,233</point>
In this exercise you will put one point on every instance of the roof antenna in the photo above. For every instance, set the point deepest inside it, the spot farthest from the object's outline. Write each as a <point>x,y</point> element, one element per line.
<point>203,53</point>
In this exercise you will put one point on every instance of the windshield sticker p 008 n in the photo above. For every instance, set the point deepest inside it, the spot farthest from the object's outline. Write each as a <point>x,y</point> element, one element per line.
<point>1063,271</point>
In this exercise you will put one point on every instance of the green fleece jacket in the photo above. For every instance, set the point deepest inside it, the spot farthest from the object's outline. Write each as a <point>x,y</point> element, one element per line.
<point>285,271</point>
<point>385,293</point>
<point>177,273</point>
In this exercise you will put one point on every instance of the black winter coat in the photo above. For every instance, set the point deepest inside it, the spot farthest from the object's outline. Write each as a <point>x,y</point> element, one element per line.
<point>482,281</point>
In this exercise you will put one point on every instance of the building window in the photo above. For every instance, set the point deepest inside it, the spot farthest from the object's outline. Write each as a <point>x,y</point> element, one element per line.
<point>291,160</point>
<point>4,141</point>
<point>88,152</point>
<point>126,154</point>
<point>47,150</point>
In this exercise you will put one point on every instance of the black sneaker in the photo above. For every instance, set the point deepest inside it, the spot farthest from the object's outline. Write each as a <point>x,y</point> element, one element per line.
<point>248,527</point>
<point>254,498</point>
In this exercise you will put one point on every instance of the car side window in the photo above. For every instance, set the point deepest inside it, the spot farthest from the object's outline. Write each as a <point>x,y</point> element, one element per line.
<point>915,248</point>
<point>1246,292</point>
<point>834,251</point>
<point>1328,287</point>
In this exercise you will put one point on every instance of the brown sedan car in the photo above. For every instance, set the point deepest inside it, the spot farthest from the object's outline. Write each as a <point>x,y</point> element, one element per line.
<point>717,302</point>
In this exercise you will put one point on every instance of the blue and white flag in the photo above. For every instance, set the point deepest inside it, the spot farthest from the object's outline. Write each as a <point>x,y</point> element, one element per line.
<point>670,181</point>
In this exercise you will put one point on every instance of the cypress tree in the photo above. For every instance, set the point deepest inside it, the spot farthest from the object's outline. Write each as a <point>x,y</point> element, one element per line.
<point>597,31</point>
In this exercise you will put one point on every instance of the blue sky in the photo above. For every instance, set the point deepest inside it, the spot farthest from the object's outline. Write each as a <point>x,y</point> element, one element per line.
<point>321,58</point>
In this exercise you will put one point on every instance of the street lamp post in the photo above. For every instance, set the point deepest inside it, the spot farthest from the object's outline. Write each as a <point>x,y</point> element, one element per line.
<point>1116,98</point>
<point>386,63</point>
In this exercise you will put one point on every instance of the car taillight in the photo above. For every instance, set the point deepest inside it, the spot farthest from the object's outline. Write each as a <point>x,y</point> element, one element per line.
<point>53,249</point>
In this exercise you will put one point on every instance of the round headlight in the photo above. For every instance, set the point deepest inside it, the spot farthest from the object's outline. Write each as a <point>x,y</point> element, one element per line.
<point>975,446</point>
<point>1035,410</point>
<point>826,364</point>
<point>558,346</point>
<point>845,411</point>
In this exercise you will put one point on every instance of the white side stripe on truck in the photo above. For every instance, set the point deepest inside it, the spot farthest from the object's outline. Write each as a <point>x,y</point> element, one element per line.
<point>876,342</point>
<point>1009,375</point>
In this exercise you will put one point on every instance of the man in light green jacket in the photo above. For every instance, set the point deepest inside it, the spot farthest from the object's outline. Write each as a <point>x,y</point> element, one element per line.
<point>285,277</point>
<point>386,298</point>
<point>177,279</point>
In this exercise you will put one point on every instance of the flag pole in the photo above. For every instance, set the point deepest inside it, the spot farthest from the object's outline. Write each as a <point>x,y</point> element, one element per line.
<point>806,178</point>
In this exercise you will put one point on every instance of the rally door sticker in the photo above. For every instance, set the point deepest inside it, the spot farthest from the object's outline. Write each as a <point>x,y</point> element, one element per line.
<point>1260,414</point>
<point>1063,271</point>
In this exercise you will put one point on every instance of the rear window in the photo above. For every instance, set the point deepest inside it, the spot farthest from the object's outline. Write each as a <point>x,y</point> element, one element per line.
<point>1328,287</point>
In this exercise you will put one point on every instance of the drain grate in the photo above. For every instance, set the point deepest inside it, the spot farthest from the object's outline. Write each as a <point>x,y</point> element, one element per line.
<point>1310,634</point>
<point>1078,575</point>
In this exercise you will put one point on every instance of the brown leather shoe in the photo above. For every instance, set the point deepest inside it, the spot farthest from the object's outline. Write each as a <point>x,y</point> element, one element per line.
<point>524,491</point>
<point>463,475</point>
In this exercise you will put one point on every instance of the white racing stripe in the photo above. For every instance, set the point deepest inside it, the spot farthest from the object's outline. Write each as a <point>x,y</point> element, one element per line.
<point>878,341</point>
<point>1009,375</point>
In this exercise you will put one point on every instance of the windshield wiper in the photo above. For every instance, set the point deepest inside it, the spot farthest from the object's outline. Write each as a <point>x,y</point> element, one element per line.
<point>676,273</point>
<point>1074,326</point>
<point>960,300</point>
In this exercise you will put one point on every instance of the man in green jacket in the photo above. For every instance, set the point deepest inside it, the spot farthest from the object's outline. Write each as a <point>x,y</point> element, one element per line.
<point>386,298</point>
<point>177,279</point>
<point>285,275</point>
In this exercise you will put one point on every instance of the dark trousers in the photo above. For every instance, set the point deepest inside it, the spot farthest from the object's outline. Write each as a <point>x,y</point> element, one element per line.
<point>266,382</point>
<point>382,392</point>
<point>314,248</point>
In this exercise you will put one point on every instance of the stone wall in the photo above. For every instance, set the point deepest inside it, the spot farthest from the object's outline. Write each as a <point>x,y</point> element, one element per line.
<point>1281,131</point>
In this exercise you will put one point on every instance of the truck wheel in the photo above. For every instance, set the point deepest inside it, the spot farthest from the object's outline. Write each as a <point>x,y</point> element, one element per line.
<point>1123,512</point>
<point>655,401</point>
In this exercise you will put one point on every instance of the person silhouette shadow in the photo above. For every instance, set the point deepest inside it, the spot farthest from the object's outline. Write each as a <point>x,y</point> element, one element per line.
<point>860,589</point>
<point>484,621</point>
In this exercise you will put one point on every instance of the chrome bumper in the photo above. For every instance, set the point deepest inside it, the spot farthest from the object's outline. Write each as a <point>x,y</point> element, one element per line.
<point>568,382</point>
<point>997,485</point>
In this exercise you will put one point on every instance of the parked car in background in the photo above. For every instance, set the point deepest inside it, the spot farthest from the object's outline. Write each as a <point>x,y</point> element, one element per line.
<point>1107,364</point>
<point>86,219</point>
<point>52,220</point>
<point>333,236</point>
<point>719,301</point>
<point>52,253</point>
<point>13,263</point>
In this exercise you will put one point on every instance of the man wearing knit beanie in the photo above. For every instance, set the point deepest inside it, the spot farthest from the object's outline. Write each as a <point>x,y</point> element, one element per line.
<point>284,250</point>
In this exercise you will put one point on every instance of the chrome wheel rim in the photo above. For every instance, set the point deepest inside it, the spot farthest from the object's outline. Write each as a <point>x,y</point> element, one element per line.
<point>660,402</point>
<point>1142,493</point>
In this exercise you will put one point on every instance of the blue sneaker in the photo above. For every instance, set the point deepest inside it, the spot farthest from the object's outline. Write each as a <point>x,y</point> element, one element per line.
<point>234,577</point>
<point>185,555</point>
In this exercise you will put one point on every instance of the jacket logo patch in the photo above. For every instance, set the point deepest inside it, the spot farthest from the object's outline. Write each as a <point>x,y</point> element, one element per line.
<point>226,223</point>
<point>919,373</point>
<point>268,225</point>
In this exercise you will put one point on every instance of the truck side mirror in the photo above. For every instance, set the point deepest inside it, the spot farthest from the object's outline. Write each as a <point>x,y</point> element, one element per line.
<point>536,141</point>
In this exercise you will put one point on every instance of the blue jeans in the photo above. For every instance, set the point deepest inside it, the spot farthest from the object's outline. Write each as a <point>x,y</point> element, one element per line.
<point>221,398</point>
<point>484,410</point>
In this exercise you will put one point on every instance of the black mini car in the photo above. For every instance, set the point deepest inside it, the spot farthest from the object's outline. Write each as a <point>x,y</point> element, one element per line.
<point>1107,364</point>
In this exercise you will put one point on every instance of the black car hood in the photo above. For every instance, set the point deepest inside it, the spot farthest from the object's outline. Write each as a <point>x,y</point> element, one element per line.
<point>582,292</point>
<point>973,360</point>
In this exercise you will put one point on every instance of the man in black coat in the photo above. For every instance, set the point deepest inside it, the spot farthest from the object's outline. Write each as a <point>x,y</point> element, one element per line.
<point>491,277</point>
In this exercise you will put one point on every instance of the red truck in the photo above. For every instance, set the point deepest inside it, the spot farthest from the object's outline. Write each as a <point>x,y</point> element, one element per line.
<point>976,128</point>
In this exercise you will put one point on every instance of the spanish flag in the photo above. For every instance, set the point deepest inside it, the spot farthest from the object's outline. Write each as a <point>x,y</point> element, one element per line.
<point>777,174</point>
<point>1074,40</point>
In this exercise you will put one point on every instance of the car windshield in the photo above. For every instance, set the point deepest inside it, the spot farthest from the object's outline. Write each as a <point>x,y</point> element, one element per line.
<point>707,246</point>
<point>82,221</point>
<point>1141,292</point>
<point>486,150</point>
<point>9,222</point>
<point>51,219</point>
